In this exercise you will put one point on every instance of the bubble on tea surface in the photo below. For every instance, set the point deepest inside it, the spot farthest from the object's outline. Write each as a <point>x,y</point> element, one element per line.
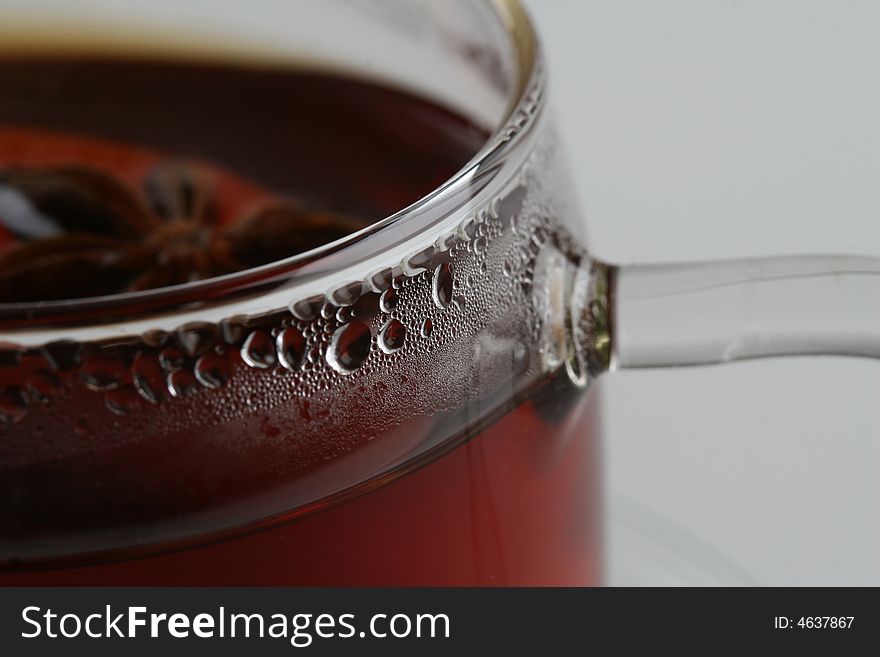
<point>13,404</point>
<point>212,370</point>
<point>258,350</point>
<point>442,285</point>
<point>349,347</point>
<point>291,347</point>
<point>392,336</point>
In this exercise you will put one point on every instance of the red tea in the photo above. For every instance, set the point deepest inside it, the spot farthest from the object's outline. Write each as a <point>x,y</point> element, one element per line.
<point>426,425</point>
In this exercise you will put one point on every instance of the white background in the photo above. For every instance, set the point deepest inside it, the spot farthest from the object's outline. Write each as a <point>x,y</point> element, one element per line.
<point>709,129</point>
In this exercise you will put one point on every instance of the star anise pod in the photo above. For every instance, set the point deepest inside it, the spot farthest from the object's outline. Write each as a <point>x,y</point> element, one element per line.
<point>80,232</point>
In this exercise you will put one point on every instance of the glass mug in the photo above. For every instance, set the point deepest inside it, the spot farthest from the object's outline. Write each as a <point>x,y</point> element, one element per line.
<point>404,405</point>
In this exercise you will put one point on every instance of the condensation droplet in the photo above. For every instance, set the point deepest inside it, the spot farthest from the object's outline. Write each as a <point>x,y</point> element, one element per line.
<point>349,347</point>
<point>196,338</point>
<point>13,404</point>
<point>181,383</point>
<point>427,328</point>
<point>442,285</point>
<point>291,347</point>
<point>63,354</point>
<point>100,372</point>
<point>170,358</point>
<point>392,336</point>
<point>365,308</point>
<point>148,378</point>
<point>42,384</point>
<point>232,329</point>
<point>388,301</point>
<point>307,309</point>
<point>212,370</point>
<point>347,294</point>
<point>258,350</point>
<point>380,280</point>
<point>154,337</point>
<point>122,400</point>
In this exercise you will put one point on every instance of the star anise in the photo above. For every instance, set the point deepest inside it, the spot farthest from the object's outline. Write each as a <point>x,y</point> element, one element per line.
<point>81,232</point>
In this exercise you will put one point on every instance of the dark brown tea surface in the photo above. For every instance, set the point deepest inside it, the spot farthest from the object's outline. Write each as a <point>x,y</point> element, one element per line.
<point>122,176</point>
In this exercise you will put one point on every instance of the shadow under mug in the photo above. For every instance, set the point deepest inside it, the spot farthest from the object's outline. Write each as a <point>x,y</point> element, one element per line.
<point>404,406</point>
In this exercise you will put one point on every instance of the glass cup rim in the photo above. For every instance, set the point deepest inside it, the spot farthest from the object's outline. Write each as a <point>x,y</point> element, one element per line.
<point>524,100</point>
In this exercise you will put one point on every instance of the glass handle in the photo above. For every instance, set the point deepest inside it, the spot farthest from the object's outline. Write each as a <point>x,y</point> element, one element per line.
<point>715,312</point>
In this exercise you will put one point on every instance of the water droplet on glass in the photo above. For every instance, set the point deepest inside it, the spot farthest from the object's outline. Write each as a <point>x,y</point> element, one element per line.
<point>480,245</point>
<point>170,358</point>
<point>427,328</point>
<point>42,384</point>
<point>196,338</point>
<point>388,300</point>
<point>232,329</point>
<point>148,378</point>
<point>349,347</point>
<point>291,347</point>
<point>366,307</point>
<point>13,404</point>
<point>258,350</point>
<point>392,336</point>
<point>181,383</point>
<point>347,294</point>
<point>124,399</point>
<point>63,354</point>
<point>100,372</point>
<point>212,370</point>
<point>380,280</point>
<point>154,337</point>
<point>442,286</point>
<point>307,309</point>
<point>419,262</point>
